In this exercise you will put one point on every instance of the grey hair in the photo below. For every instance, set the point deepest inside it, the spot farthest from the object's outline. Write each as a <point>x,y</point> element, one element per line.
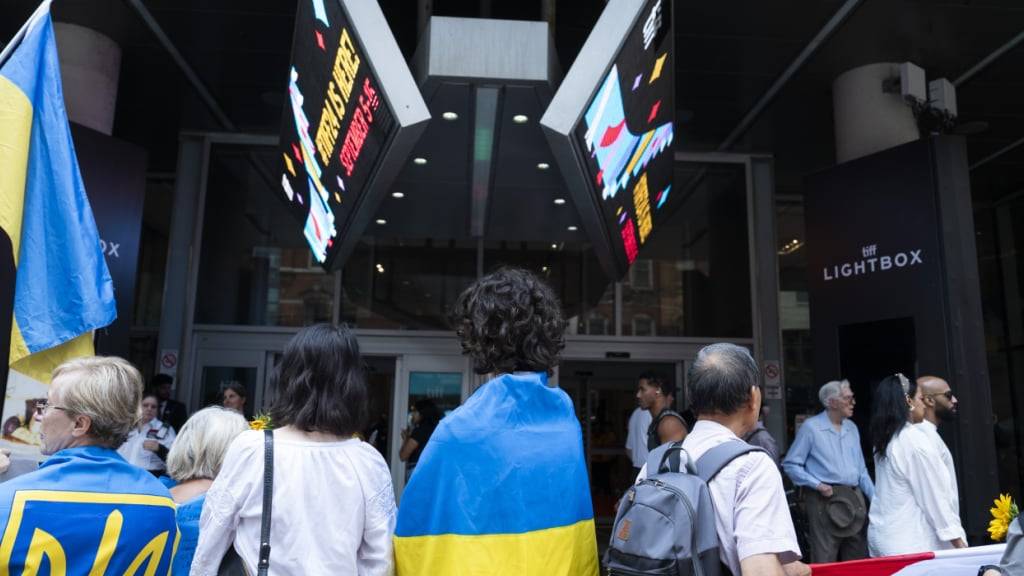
<point>832,390</point>
<point>721,379</point>
<point>107,389</point>
<point>199,449</point>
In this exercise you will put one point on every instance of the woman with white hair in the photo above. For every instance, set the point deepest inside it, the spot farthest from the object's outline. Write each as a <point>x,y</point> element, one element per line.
<point>194,462</point>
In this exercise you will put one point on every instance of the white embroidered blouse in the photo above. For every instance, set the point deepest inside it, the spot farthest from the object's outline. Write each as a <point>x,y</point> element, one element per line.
<point>333,511</point>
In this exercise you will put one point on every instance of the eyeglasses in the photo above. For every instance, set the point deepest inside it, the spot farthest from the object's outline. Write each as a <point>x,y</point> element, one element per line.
<point>948,394</point>
<point>42,407</point>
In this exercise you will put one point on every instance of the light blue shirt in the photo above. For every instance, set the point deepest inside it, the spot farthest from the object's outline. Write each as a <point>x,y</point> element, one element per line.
<point>821,455</point>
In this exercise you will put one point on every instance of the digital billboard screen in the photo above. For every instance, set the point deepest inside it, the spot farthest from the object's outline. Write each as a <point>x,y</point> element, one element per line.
<point>340,123</point>
<point>611,128</point>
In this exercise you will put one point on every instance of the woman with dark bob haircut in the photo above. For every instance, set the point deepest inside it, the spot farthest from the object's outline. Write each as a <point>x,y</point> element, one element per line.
<point>321,404</point>
<point>510,460</point>
<point>912,511</point>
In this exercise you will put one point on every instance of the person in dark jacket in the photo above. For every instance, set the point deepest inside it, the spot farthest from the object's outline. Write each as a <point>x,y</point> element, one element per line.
<point>171,411</point>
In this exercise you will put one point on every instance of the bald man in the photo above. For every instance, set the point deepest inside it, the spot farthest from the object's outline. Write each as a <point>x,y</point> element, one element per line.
<point>940,405</point>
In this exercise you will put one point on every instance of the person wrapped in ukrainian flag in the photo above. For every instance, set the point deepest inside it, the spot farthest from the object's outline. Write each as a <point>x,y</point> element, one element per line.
<point>501,488</point>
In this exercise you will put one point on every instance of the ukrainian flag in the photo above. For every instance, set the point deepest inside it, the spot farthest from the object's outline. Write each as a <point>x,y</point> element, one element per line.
<point>62,290</point>
<point>501,489</point>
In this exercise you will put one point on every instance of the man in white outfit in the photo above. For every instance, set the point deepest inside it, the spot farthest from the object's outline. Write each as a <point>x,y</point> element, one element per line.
<point>940,405</point>
<point>636,438</point>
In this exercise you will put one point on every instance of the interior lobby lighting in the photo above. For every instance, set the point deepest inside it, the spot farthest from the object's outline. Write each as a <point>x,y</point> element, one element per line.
<point>419,161</point>
<point>398,194</point>
<point>380,268</point>
<point>450,116</point>
<point>559,201</point>
<point>520,118</point>
<point>554,246</point>
<point>791,247</point>
<point>543,166</point>
<point>572,228</point>
<point>381,221</point>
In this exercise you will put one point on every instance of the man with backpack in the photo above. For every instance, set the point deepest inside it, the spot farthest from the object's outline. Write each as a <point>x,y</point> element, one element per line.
<point>724,497</point>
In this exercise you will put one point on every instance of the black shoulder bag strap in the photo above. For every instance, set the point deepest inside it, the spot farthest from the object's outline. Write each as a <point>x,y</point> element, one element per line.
<point>268,500</point>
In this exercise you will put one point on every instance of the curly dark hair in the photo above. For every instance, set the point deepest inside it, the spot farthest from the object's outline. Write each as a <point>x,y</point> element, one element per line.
<point>508,321</point>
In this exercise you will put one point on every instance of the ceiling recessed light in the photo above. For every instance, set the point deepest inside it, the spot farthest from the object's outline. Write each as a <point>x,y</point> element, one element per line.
<point>381,221</point>
<point>543,166</point>
<point>520,118</point>
<point>398,194</point>
<point>380,268</point>
<point>450,116</point>
<point>559,201</point>
<point>573,228</point>
<point>419,161</point>
<point>554,246</point>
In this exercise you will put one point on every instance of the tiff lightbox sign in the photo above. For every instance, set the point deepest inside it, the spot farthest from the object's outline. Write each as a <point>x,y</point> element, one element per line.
<point>871,261</point>
<point>353,114</point>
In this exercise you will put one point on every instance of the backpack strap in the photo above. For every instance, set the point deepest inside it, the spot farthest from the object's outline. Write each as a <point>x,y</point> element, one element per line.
<point>665,458</point>
<point>711,463</point>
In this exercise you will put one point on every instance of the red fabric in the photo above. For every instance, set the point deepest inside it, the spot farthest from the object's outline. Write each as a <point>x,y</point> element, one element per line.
<point>886,566</point>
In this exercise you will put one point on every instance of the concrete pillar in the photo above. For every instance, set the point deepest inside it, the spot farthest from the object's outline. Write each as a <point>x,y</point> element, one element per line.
<point>90,65</point>
<point>867,119</point>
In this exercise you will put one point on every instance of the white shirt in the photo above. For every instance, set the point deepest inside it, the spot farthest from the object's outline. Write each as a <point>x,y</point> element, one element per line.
<point>751,512</point>
<point>636,438</point>
<point>913,508</point>
<point>932,432</point>
<point>134,453</point>
<point>333,513</point>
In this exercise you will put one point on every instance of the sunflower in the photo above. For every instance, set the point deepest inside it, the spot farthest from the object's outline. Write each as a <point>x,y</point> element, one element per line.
<point>1004,512</point>
<point>261,422</point>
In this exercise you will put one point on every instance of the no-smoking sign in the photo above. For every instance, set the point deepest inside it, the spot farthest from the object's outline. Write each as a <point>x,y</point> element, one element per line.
<point>772,380</point>
<point>168,361</point>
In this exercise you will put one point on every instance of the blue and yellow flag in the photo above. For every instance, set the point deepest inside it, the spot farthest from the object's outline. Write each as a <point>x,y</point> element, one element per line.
<point>501,489</point>
<point>63,289</point>
<point>86,512</point>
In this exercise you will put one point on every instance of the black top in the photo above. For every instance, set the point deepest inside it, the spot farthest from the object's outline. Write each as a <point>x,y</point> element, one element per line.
<point>653,441</point>
<point>173,413</point>
<point>420,434</point>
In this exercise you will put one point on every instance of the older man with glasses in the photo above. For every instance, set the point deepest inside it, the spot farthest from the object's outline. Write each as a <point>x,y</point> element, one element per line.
<point>826,458</point>
<point>86,510</point>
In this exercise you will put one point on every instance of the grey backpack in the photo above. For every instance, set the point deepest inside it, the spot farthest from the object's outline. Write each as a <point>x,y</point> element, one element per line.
<point>666,523</point>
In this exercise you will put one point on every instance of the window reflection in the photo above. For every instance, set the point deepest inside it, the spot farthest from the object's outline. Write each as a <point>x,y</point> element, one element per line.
<point>255,267</point>
<point>693,275</point>
<point>405,284</point>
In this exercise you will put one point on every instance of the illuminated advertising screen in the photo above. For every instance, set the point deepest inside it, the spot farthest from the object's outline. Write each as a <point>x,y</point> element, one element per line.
<point>611,128</point>
<point>340,123</point>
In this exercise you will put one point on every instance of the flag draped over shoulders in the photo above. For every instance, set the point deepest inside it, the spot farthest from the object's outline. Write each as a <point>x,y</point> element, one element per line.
<point>86,512</point>
<point>63,290</point>
<point>501,489</point>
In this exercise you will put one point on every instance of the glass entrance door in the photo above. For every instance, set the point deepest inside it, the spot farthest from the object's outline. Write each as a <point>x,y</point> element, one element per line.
<point>604,394</point>
<point>217,370</point>
<point>438,379</point>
